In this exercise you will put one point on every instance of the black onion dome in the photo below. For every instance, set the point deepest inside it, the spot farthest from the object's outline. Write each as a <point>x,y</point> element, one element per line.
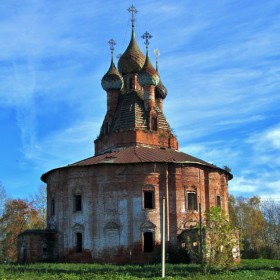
<point>112,79</point>
<point>161,90</point>
<point>148,74</point>
<point>132,60</point>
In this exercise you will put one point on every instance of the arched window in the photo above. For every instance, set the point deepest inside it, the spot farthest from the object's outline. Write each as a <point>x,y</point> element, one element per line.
<point>78,236</point>
<point>148,236</point>
<point>112,236</point>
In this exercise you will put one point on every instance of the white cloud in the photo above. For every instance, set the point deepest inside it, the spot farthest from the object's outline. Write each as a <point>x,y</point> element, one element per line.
<point>64,146</point>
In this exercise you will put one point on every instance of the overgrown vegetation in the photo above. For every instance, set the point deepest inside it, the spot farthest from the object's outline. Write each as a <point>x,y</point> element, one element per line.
<point>259,226</point>
<point>219,240</point>
<point>16,216</point>
<point>252,269</point>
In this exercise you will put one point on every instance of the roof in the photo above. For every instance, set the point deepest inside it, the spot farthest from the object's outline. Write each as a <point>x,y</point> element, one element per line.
<point>138,154</point>
<point>141,154</point>
<point>132,60</point>
<point>130,114</point>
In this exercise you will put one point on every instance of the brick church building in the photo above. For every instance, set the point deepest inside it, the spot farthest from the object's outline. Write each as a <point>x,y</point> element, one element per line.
<point>107,208</point>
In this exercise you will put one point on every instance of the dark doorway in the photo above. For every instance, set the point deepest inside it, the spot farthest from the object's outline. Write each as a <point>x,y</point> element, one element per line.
<point>79,242</point>
<point>148,242</point>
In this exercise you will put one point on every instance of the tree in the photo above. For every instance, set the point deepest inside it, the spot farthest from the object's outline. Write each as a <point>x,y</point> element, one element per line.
<point>219,240</point>
<point>3,197</point>
<point>39,201</point>
<point>18,215</point>
<point>271,213</point>
<point>251,224</point>
<point>232,207</point>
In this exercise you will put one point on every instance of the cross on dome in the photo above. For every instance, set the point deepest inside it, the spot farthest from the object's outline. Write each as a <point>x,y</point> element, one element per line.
<point>146,36</point>
<point>132,10</point>
<point>157,53</point>
<point>112,44</point>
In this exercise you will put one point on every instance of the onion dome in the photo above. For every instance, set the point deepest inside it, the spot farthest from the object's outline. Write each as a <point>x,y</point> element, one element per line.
<point>148,74</point>
<point>161,90</point>
<point>112,79</point>
<point>132,60</point>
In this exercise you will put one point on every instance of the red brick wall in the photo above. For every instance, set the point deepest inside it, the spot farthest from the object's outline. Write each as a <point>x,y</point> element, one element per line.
<point>127,138</point>
<point>113,206</point>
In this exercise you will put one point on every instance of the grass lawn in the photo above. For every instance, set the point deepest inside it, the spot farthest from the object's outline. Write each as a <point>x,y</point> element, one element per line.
<point>248,269</point>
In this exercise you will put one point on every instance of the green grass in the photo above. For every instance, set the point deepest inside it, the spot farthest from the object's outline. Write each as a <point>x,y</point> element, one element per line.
<point>248,269</point>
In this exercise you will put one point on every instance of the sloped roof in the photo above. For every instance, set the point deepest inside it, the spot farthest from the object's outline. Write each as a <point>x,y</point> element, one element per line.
<point>141,154</point>
<point>130,114</point>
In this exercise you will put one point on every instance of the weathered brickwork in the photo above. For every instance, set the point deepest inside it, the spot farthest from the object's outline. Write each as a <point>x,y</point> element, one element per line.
<point>113,219</point>
<point>108,208</point>
<point>139,137</point>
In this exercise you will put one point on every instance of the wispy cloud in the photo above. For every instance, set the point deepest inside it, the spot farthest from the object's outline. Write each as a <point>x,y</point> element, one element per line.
<point>219,62</point>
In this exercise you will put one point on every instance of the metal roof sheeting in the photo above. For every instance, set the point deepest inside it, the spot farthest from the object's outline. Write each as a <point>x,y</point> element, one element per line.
<point>139,154</point>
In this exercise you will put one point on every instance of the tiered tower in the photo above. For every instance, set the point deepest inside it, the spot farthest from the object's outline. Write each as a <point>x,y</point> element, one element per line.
<point>135,93</point>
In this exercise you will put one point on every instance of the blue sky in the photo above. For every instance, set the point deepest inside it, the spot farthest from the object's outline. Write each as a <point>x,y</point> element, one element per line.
<point>219,60</point>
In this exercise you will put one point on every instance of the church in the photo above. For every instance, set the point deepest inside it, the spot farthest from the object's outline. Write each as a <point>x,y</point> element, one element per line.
<point>108,208</point>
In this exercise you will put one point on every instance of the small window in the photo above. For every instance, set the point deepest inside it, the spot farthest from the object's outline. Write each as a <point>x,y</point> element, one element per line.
<point>192,201</point>
<point>79,242</point>
<point>218,201</point>
<point>52,207</point>
<point>148,242</point>
<point>106,128</point>
<point>154,123</point>
<point>131,83</point>
<point>77,202</point>
<point>149,200</point>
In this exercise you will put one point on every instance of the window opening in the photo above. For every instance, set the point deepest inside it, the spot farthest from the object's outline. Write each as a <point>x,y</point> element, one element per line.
<point>149,200</point>
<point>148,242</point>
<point>79,242</point>
<point>52,207</point>
<point>106,128</point>
<point>218,201</point>
<point>130,83</point>
<point>154,123</point>
<point>78,202</point>
<point>192,201</point>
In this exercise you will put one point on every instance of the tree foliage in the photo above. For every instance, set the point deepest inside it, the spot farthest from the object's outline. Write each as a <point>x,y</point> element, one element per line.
<point>259,225</point>
<point>39,201</point>
<point>219,240</point>
<point>18,215</point>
